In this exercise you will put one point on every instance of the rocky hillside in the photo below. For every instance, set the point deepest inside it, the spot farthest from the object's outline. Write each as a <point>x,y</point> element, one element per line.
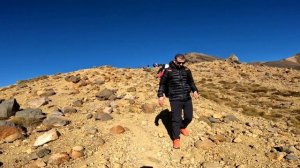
<point>194,57</point>
<point>247,116</point>
<point>291,62</point>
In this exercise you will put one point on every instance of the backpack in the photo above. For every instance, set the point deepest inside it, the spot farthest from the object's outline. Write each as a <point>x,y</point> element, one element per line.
<point>162,71</point>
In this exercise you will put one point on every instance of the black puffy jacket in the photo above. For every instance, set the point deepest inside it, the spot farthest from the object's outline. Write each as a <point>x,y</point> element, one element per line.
<point>176,83</point>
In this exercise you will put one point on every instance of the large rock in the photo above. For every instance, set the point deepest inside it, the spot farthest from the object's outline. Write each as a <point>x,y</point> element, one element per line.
<point>29,117</point>
<point>46,137</point>
<point>8,108</point>
<point>10,134</point>
<point>7,123</point>
<point>46,93</point>
<point>105,94</point>
<point>56,121</point>
<point>233,59</point>
<point>74,79</point>
<point>38,102</point>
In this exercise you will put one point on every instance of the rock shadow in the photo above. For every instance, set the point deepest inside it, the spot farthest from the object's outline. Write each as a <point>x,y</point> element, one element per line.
<point>166,118</point>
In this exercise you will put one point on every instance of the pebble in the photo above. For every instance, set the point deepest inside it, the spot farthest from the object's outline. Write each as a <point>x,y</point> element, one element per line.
<point>291,157</point>
<point>89,116</point>
<point>78,148</point>
<point>237,139</point>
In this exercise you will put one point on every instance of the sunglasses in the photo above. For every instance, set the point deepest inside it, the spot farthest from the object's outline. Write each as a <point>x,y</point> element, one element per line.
<point>180,63</point>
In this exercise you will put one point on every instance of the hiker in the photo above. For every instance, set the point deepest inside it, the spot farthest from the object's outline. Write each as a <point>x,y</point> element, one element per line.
<point>176,83</point>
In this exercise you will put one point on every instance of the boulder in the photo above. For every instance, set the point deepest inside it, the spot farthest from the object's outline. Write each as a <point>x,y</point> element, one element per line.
<point>56,121</point>
<point>105,94</point>
<point>38,102</point>
<point>10,134</point>
<point>8,108</point>
<point>46,93</point>
<point>233,59</point>
<point>74,79</point>
<point>7,123</point>
<point>29,117</point>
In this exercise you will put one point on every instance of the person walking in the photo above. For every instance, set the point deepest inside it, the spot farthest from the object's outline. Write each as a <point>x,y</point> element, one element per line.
<point>177,83</point>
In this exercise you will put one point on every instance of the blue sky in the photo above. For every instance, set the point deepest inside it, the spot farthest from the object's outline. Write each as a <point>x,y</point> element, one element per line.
<point>52,36</point>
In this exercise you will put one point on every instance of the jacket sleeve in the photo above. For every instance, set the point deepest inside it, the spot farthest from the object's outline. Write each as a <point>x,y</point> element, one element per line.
<point>162,84</point>
<point>191,81</point>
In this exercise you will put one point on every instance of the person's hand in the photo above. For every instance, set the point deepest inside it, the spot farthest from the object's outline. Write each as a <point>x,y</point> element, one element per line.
<point>161,101</point>
<point>196,95</point>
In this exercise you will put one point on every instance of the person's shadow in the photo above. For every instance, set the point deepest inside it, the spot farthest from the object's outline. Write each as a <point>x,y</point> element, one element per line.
<point>166,118</point>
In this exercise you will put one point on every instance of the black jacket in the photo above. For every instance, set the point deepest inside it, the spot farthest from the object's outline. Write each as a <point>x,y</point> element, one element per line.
<point>177,83</point>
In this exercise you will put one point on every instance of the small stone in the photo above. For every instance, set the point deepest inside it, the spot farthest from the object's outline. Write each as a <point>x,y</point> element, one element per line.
<point>69,110</point>
<point>39,163</point>
<point>148,108</point>
<point>237,139</point>
<point>205,144</point>
<point>291,157</point>
<point>217,116</point>
<point>78,148</point>
<point>91,131</point>
<point>117,130</point>
<point>230,118</point>
<point>242,166</point>
<point>105,94</point>
<point>46,137</point>
<point>108,110</point>
<point>46,93</point>
<point>43,152</point>
<point>58,158</point>
<point>55,121</point>
<point>100,141</point>
<point>76,154</point>
<point>77,103</point>
<point>131,89</point>
<point>160,134</point>
<point>103,116</point>
<point>220,138</point>
<point>38,102</point>
<point>10,134</point>
<point>89,116</point>
<point>211,165</point>
<point>214,120</point>
<point>276,155</point>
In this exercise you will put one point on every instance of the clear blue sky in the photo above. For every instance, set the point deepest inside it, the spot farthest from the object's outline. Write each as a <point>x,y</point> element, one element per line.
<point>45,37</point>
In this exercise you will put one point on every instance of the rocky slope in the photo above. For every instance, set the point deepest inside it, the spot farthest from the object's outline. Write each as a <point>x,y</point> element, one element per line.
<point>291,62</point>
<point>247,116</point>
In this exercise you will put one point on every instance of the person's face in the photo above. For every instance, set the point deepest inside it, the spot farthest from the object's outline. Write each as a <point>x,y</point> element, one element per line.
<point>179,62</point>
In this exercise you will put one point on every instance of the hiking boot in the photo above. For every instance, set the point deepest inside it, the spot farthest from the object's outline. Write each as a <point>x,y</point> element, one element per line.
<point>176,143</point>
<point>184,132</point>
